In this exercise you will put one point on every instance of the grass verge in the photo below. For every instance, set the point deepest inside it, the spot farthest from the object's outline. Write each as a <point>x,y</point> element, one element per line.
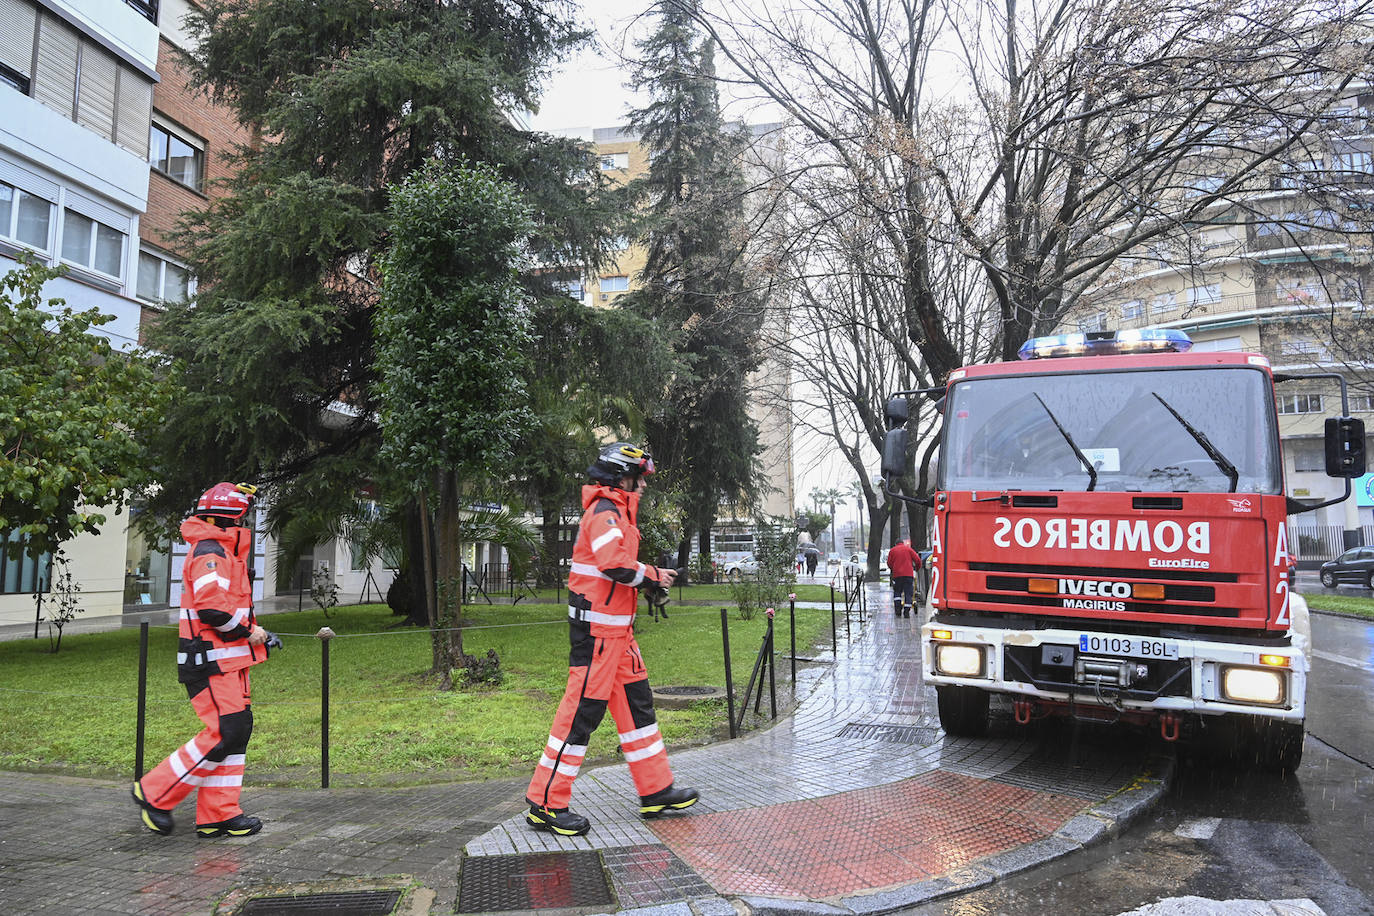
<point>1342,604</point>
<point>75,711</point>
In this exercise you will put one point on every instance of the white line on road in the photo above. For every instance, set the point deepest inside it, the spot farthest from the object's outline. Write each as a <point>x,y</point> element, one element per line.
<point>1343,660</point>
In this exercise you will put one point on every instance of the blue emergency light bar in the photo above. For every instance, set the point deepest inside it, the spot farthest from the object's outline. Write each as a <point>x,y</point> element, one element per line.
<point>1106,343</point>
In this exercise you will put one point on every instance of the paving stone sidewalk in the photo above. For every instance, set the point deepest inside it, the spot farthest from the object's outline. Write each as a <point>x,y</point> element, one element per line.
<point>856,803</point>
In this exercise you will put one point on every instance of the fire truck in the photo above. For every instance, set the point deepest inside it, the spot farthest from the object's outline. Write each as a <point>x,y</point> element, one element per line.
<point>1109,540</point>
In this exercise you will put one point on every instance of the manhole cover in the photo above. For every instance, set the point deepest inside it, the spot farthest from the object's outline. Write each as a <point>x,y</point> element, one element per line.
<point>352,903</point>
<point>898,734</point>
<point>534,881</point>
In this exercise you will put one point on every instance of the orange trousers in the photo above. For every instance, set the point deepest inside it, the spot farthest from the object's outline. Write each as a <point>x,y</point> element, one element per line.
<point>212,761</point>
<point>604,673</point>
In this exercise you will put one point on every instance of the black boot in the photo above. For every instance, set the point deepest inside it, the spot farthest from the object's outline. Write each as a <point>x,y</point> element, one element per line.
<point>896,610</point>
<point>158,820</point>
<point>669,799</point>
<point>557,820</point>
<point>238,825</point>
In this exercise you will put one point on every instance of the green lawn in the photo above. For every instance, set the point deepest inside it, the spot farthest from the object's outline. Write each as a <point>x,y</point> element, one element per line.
<point>76,711</point>
<point>1342,604</point>
<point>701,594</point>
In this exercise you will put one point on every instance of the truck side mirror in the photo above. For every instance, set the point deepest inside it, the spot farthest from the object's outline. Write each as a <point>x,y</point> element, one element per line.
<point>897,413</point>
<point>1345,452</point>
<point>894,454</point>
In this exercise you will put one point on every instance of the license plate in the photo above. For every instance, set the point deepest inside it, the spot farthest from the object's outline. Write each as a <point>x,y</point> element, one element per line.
<point>1132,646</point>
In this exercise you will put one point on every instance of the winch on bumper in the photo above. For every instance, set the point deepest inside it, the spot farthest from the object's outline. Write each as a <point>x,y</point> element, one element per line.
<point>1143,676</point>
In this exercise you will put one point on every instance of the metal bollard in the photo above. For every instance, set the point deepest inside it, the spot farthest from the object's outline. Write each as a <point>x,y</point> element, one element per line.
<point>772,666</point>
<point>142,697</point>
<point>325,635</point>
<point>834,643</point>
<point>729,678</point>
<point>792,620</point>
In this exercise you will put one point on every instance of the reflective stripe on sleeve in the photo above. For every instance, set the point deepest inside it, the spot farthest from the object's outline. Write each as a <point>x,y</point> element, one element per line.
<point>639,575</point>
<point>587,569</point>
<point>239,616</point>
<point>610,535</point>
<point>207,579</point>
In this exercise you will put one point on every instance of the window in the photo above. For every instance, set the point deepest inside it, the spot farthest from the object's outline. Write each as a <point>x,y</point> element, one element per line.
<point>20,573</point>
<point>176,157</point>
<point>612,161</point>
<point>1308,455</point>
<point>146,8</point>
<point>1219,345</point>
<point>24,217</point>
<point>159,280</point>
<point>620,243</point>
<point>615,284</point>
<point>92,244</point>
<point>1164,302</point>
<point>1094,322</point>
<point>1133,309</point>
<point>1303,348</point>
<point>1362,403</point>
<point>1203,185</point>
<point>1300,403</point>
<point>572,287</point>
<point>1352,161</point>
<point>44,57</point>
<point>1204,295</point>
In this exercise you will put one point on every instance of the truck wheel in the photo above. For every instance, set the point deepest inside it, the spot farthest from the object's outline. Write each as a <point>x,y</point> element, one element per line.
<point>963,711</point>
<point>1328,579</point>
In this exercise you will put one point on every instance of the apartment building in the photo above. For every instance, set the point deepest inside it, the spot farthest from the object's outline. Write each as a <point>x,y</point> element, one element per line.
<point>77,79</point>
<point>1280,272</point>
<point>622,158</point>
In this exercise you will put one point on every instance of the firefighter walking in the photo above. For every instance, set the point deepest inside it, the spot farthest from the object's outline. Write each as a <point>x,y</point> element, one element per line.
<point>218,641</point>
<point>901,562</point>
<point>605,668</point>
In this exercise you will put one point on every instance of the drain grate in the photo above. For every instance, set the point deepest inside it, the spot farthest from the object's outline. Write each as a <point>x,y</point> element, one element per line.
<point>352,903</point>
<point>533,881</point>
<point>897,734</point>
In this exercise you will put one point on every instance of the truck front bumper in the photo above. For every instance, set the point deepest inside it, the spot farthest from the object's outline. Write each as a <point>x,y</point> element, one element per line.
<point>1146,675</point>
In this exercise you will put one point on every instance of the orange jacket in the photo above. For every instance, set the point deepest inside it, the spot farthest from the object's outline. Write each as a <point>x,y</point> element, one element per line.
<point>216,602</point>
<point>606,572</point>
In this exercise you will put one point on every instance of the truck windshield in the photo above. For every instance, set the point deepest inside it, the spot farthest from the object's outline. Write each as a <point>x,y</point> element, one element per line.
<point>999,436</point>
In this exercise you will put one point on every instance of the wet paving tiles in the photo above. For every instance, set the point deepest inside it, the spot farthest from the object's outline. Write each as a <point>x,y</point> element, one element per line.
<point>868,838</point>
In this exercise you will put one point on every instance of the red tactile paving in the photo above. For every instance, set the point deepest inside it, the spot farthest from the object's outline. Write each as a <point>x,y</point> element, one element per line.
<point>865,839</point>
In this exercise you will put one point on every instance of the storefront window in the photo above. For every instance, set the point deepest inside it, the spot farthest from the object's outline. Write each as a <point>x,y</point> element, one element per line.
<point>147,568</point>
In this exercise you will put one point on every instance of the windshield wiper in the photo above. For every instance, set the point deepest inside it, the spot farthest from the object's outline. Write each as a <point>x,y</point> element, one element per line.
<point>1092,471</point>
<point>1220,460</point>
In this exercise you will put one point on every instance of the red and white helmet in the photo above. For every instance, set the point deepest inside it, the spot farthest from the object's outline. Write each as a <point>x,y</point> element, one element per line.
<point>226,500</point>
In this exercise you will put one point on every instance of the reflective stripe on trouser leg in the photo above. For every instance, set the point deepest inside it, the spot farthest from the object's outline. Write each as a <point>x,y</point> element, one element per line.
<point>632,708</point>
<point>228,703</point>
<point>579,713</point>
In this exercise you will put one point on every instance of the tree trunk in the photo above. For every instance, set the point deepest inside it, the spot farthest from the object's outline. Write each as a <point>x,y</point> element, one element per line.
<point>447,636</point>
<point>547,572</point>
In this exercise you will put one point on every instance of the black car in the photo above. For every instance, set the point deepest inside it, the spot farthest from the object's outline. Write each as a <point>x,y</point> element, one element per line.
<point>1355,565</point>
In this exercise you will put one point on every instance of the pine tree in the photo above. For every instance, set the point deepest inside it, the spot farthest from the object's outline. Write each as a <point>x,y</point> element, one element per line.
<point>692,206</point>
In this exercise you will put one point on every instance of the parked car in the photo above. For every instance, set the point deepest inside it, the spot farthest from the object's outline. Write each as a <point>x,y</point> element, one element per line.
<point>857,564</point>
<point>1355,565</point>
<point>735,570</point>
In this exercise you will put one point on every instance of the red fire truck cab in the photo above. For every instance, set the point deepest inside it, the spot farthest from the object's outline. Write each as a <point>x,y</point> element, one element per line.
<point>1109,540</point>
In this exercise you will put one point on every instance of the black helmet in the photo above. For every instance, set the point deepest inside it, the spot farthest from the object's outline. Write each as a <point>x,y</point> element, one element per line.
<point>617,460</point>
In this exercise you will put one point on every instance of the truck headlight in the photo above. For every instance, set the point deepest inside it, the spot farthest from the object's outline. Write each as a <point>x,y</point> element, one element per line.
<point>1253,685</point>
<point>957,660</point>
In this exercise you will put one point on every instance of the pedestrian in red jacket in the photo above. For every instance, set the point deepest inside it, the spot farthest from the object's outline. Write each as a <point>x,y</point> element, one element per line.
<point>219,640</point>
<point>901,561</point>
<point>605,669</point>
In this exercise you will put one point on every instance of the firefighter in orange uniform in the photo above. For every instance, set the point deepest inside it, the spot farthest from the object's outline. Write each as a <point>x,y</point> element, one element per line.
<point>605,669</point>
<point>219,640</point>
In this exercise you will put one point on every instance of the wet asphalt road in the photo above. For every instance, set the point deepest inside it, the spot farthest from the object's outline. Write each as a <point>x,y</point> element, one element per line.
<point>1224,835</point>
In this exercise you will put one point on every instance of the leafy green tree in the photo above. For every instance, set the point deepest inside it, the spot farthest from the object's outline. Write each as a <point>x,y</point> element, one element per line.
<point>453,331</point>
<point>692,205</point>
<point>72,414</point>
<point>348,97</point>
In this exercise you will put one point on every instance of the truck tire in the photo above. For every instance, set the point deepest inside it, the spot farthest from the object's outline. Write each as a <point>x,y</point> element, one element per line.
<point>963,711</point>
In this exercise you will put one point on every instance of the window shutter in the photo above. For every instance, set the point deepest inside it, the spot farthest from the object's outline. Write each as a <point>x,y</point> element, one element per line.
<point>55,82</point>
<point>96,96</point>
<point>16,35</point>
<point>135,112</point>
